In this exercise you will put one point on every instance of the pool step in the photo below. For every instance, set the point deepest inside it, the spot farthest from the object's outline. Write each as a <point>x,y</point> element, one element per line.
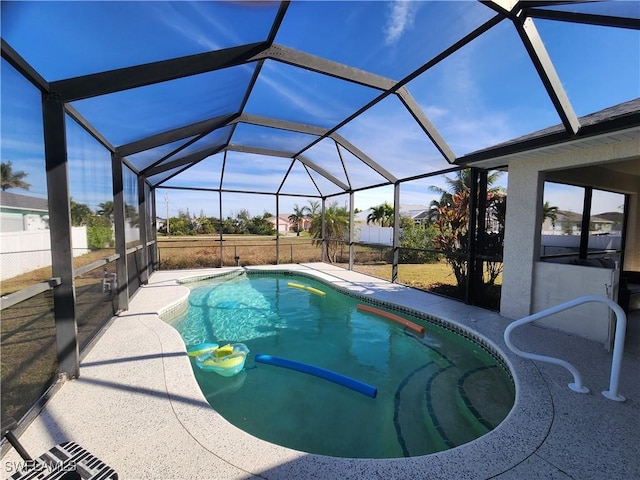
<point>458,420</point>
<point>417,432</point>
<point>487,400</point>
<point>455,424</point>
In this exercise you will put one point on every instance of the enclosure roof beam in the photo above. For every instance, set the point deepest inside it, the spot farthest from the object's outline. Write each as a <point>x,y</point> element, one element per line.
<point>504,7</point>
<point>486,26</point>
<point>429,128</point>
<point>313,180</point>
<point>364,158</point>
<point>176,134</point>
<point>277,21</point>
<point>585,18</point>
<point>187,160</point>
<point>280,124</point>
<point>230,190</point>
<point>286,175</point>
<point>547,72</point>
<point>313,166</point>
<point>111,81</point>
<point>259,151</point>
<point>283,154</point>
<point>321,65</point>
<point>84,123</point>
<point>532,42</point>
<point>23,67</point>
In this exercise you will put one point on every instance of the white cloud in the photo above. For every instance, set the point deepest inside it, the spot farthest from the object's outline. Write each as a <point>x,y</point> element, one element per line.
<point>391,137</point>
<point>434,112</point>
<point>300,89</point>
<point>399,20</point>
<point>290,95</point>
<point>466,134</point>
<point>176,19</point>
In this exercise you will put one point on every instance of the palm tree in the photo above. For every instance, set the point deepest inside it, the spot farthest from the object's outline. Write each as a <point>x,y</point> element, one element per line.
<point>460,183</point>
<point>11,179</point>
<point>435,206</point>
<point>336,221</point>
<point>382,214</point>
<point>314,207</point>
<point>106,209</point>
<point>549,212</point>
<point>79,213</point>
<point>297,216</point>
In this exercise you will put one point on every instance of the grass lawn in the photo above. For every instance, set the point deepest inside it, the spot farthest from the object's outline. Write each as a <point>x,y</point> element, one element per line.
<point>206,251</point>
<point>43,274</point>
<point>422,276</point>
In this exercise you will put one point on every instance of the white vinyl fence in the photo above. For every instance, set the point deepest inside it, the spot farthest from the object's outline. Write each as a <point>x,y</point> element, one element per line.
<point>22,252</point>
<point>374,235</point>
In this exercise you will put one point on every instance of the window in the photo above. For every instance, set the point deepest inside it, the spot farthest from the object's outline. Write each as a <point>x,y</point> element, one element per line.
<point>581,225</point>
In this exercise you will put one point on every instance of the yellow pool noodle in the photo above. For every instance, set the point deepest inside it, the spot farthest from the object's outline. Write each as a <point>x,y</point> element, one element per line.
<point>315,290</point>
<point>304,287</point>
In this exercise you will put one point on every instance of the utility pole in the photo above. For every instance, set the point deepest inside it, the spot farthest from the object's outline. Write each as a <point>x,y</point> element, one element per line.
<point>166,201</point>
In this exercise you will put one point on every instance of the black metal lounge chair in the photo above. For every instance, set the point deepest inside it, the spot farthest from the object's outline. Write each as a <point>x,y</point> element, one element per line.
<point>65,461</point>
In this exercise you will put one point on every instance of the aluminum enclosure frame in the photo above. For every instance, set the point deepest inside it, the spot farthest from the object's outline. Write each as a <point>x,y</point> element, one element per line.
<point>59,95</point>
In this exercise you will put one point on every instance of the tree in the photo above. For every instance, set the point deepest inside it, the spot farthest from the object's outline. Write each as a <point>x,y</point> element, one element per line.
<point>313,208</point>
<point>452,231</point>
<point>460,183</point>
<point>549,212</point>
<point>336,228</point>
<point>297,216</point>
<point>99,232</point>
<point>79,213</point>
<point>131,214</point>
<point>260,225</point>
<point>11,179</point>
<point>382,215</point>
<point>414,240</point>
<point>106,209</point>
<point>451,218</point>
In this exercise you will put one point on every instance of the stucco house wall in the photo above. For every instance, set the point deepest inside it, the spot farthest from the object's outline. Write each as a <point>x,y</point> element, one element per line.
<point>523,223</point>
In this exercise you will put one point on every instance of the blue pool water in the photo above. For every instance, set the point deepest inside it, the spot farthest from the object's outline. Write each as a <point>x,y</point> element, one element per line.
<point>433,392</point>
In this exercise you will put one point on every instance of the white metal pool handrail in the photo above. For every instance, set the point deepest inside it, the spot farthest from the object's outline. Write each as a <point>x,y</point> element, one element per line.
<point>618,343</point>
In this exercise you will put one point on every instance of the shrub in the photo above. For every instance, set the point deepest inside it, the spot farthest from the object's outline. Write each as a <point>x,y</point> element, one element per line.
<point>414,240</point>
<point>99,233</point>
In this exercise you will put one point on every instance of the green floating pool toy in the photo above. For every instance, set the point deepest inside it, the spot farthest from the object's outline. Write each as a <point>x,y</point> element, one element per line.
<point>201,349</point>
<point>227,360</point>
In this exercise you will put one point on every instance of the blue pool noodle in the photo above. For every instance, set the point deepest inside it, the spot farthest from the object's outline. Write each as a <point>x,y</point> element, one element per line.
<point>334,377</point>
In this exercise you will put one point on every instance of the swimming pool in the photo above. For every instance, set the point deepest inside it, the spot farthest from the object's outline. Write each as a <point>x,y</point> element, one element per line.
<point>435,391</point>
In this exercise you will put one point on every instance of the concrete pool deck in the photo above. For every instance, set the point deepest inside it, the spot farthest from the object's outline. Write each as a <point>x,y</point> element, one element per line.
<point>136,404</point>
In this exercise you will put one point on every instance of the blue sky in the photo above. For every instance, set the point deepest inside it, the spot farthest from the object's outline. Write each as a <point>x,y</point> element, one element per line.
<point>484,94</point>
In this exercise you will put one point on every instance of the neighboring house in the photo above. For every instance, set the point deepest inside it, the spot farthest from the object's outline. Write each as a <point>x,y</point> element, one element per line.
<point>616,219</point>
<point>280,224</point>
<point>305,224</point>
<point>570,223</point>
<point>421,218</point>
<point>19,213</point>
<point>417,213</point>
